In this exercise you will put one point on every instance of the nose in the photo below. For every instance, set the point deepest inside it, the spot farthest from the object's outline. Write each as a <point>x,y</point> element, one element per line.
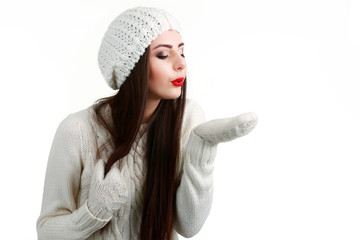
<point>179,63</point>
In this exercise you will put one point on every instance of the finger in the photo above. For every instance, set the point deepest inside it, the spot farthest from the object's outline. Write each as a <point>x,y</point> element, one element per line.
<point>249,117</point>
<point>244,124</point>
<point>227,129</point>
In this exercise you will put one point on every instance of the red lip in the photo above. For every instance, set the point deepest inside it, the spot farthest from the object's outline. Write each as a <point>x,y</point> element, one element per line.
<point>178,82</point>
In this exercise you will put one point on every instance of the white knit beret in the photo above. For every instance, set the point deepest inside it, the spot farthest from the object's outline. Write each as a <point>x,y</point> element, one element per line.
<point>126,39</point>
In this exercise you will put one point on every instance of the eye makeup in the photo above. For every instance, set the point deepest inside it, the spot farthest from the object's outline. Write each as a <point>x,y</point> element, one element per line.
<point>162,56</point>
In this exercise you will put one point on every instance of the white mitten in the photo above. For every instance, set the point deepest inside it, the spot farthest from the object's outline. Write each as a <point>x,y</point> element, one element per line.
<point>106,195</point>
<point>226,129</point>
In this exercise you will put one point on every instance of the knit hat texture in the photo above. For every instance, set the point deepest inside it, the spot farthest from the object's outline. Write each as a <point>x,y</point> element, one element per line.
<point>126,39</point>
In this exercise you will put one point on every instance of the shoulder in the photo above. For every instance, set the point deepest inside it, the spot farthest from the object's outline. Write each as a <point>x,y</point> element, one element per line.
<point>192,106</point>
<point>77,132</point>
<point>77,124</point>
<point>193,115</point>
<point>77,119</point>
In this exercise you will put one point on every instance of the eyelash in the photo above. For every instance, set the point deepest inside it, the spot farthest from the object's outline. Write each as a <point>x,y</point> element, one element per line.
<point>162,56</point>
<point>166,56</point>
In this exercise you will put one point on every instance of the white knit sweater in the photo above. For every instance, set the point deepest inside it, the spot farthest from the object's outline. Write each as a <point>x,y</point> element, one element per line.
<point>64,213</point>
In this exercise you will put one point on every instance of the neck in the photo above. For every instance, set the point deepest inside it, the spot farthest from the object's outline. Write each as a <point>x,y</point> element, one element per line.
<point>151,105</point>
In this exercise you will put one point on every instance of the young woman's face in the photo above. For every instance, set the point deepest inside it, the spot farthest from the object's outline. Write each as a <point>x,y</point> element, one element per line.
<point>167,67</point>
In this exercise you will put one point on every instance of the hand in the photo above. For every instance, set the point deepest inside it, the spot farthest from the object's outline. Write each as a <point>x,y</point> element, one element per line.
<point>106,195</point>
<point>227,129</point>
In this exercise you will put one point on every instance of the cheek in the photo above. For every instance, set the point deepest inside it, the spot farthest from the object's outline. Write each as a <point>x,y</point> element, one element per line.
<point>158,75</point>
<point>153,85</point>
<point>156,79</point>
<point>156,71</point>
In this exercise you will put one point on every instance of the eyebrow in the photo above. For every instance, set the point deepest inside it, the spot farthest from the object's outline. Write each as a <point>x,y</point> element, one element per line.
<point>168,46</point>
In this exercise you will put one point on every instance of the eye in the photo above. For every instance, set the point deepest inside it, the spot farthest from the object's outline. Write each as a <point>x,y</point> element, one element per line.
<point>182,52</point>
<point>161,56</point>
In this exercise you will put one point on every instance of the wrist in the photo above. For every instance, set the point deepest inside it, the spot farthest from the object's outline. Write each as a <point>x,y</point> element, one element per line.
<point>98,211</point>
<point>200,152</point>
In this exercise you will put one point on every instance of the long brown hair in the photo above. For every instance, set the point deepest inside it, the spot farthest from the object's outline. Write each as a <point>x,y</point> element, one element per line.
<point>163,146</point>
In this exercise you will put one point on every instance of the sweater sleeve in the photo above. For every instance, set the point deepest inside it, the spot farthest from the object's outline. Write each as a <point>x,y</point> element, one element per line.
<point>60,217</point>
<point>195,193</point>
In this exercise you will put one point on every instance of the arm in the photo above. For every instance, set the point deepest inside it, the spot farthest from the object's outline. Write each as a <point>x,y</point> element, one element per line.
<point>60,216</point>
<point>195,193</point>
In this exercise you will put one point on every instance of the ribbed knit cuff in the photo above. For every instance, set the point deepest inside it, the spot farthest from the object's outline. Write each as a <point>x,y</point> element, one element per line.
<point>200,152</point>
<point>93,217</point>
<point>78,225</point>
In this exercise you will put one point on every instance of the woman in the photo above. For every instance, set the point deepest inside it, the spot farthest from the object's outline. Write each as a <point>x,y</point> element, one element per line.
<point>137,165</point>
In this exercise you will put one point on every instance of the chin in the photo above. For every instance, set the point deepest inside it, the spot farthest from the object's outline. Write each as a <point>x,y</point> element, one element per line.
<point>177,95</point>
<point>173,95</point>
<point>171,98</point>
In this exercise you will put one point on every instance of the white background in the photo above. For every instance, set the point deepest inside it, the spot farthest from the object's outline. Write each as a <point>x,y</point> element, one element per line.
<point>294,63</point>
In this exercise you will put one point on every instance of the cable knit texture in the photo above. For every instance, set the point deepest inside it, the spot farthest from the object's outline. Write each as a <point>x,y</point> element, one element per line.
<point>75,151</point>
<point>106,195</point>
<point>126,39</point>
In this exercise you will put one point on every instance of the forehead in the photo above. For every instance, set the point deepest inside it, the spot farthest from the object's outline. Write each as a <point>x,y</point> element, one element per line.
<point>168,37</point>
